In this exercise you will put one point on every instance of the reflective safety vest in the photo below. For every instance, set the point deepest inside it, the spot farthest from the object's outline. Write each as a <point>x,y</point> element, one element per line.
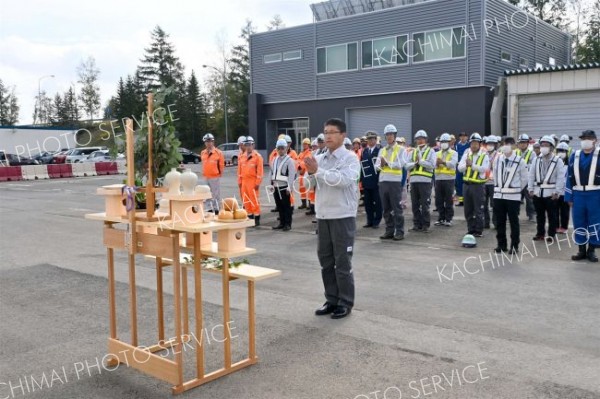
<point>525,155</point>
<point>443,169</point>
<point>420,170</point>
<point>473,176</point>
<point>592,184</point>
<point>395,152</point>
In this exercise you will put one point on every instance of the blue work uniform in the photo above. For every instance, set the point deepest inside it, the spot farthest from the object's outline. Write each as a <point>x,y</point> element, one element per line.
<point>584,193</point>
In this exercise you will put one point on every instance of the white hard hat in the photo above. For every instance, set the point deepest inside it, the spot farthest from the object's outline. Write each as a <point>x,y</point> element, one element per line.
<point>548,139</point>
<point>491,139</point>
<point>347,141</point>
<point>445,137</point>
<point>249,140</point>
<point>287,139</point>
<point>523,137</point>
<point>281,143</point>
<point>321,137</point>
<point>475,137</point>
<point>421,134</point>
<point>314,142</point>
<point>562,146</point>
<point>390,129</point>
<point>207,137</point>
<point>241,140</point>
<point>398,139</point>
<point>564,138</point>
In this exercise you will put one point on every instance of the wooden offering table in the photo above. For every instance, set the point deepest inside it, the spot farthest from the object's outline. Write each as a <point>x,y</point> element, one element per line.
<point>168,243</point>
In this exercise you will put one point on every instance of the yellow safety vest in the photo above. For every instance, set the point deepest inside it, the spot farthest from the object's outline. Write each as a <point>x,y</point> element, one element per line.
<point>471,175</point>
<point>420,170</point>
<point>525,157</point>
<point>443,169</point>
<point>387,169</point>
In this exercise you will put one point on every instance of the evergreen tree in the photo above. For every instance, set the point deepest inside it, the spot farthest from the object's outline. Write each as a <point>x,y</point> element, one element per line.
<point>191,114</point>
<point>43,109</point>
<point>238,87</point>
<point>71,107</point>
<point>160,66</point>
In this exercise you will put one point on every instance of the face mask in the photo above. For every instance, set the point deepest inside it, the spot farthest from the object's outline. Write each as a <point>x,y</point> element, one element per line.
<point>562,155</point>
<point>506,149</point>
<point>587,144</point>
<point>491,149</point>
<point>545,150</point>
<point>444,146</point>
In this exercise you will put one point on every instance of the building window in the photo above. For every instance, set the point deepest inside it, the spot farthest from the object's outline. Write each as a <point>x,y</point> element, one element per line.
<point>505,56</point>
<point>384,52</point>
<point>551,61</point>
<point>438,45</point>
<point>271,58</point>
<point>338,58</point>
<point>523,63</point>
<point>292,55</point>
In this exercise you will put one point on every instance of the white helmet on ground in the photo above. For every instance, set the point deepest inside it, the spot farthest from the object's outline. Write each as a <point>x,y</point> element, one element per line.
<point>549,140</point>
<point>241,140</point>
<point>475,137</point>
<point>421,134</point>
<point>445,137</point>
<point>208,136</point>
<point>390,129</point>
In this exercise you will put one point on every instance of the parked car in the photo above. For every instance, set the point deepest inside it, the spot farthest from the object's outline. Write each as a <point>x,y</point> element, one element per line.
<point>15,160</point>
<point>81,153</point>
<point>44,157</point>
<point>102,156</point>
<point>61,156</point>
<point>231,152</point>
<point>189,156</point>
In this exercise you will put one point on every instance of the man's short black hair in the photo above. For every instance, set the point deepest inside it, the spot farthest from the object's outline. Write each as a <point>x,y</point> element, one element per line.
<point>508,140</point>
<point>340,124</point>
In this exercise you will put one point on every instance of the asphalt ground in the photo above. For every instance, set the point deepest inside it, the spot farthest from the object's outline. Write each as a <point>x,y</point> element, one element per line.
<point>483,327</point>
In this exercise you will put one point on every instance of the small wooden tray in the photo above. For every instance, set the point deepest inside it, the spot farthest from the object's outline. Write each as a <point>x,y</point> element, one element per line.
<point>230,220</point>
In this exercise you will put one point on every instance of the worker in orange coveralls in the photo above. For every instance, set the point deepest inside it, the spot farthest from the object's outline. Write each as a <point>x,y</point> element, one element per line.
<point>306,152</point>
<point>250,174</point>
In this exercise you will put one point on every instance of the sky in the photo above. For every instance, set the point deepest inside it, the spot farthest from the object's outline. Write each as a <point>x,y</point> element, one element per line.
<point>41,37</point>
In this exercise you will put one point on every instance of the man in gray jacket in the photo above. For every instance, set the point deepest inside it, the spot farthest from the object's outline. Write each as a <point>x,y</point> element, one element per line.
<point>335,175</point>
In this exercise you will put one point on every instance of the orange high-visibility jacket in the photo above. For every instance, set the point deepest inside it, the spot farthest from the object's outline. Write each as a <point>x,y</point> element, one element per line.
<point>213,163</point>
<point>250,168</point>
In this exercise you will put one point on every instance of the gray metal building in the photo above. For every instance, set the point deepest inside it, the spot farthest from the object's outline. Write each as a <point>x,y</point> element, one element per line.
<point>420,64</point>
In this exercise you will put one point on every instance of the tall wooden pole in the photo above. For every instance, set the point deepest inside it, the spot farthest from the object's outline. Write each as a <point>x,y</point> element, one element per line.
<point>132,233</point>
<point>150,195</point>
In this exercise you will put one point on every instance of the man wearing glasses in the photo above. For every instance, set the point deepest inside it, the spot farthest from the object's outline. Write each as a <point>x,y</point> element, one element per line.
<point>335,175</point>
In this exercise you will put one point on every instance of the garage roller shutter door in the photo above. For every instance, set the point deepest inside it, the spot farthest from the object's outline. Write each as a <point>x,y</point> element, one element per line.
<point>559,113</point>
<point>375,118</point>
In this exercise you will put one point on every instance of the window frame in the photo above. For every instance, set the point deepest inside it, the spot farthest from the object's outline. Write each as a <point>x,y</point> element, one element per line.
<point>425,32</point>
<point>299,57</point>
<point>272,62</point>
<point>523,65</point>
<point>346,58</point>
<point>373,66</point>
<point>502,59</point>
